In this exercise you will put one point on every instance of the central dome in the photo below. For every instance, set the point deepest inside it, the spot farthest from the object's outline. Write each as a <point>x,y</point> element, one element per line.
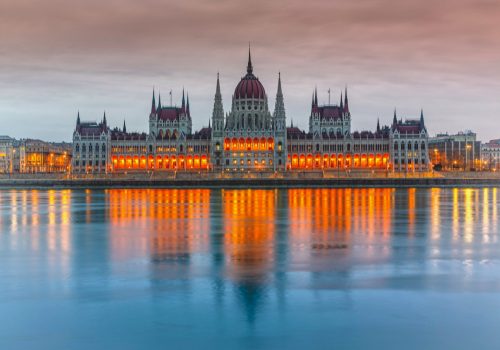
<point>249,86</point>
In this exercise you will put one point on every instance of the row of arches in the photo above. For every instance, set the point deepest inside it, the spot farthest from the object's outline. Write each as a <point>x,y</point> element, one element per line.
<point>173,162</point>
<point>318,161</point>
<point>249,144</point>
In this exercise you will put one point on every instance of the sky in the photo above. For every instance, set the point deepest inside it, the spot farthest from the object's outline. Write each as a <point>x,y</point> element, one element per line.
<point>58,57</point>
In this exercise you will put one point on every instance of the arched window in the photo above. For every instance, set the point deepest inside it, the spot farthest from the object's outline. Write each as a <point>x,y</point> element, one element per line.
<point>103,148</point>
<point>77,147</point>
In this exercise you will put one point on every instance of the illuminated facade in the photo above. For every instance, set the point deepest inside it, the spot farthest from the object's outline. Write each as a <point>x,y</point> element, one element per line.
<point>490,154</point>
<point>249,138</point>
<point>6,154</point>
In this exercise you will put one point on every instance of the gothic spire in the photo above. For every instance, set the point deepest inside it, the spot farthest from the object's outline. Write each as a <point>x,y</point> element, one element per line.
<point>422,123</point>
<point>218,111</point>
<point>124,126</point>
<point>280,93</point>
<point>249,66</point>
<point>187,104</point>
<point>346,102</point>
<point>78,119</point>
<point>395,119</point>
<point>104,119</point>
<point>183,100</point>
<point>341,101</point>
<point>378,125</point>
<point>217,88</point>
<point>159,101</point>
<point>279,107</point>
<point>153,103</point>
<point>316,96</point>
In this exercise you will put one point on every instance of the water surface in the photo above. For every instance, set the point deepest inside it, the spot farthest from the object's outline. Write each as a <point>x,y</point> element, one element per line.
<point>298,268</point>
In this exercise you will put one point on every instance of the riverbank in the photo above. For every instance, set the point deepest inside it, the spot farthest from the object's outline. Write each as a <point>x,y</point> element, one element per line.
<point>250,182</point>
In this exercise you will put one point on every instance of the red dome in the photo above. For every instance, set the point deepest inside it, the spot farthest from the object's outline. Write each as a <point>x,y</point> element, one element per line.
<point>249,87</point>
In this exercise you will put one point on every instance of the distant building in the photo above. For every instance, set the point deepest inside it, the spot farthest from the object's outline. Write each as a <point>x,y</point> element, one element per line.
<point>490,154</point>
<point>250,137</point>
<point>36,156</point>
<point>460,151</point>
<point>6,154</point>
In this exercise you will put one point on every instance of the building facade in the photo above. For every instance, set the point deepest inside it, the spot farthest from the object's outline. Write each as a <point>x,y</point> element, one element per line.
<point>250,138</point>
<point>460,151</point>
<point>6,154</point>
<point>490,155</point>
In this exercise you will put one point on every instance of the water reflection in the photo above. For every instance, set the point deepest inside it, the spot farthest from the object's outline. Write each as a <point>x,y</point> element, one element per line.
<point>253,250</point>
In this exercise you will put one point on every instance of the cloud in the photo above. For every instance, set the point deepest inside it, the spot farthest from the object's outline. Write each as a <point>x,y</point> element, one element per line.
<point>59,56</point>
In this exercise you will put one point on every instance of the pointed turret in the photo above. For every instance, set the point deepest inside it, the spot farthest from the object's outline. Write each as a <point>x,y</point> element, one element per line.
<point>153,103</point>
<point>124,127</point>
<point>104,121</point>
<point>316,96</point>
<point>78,119</point>
<point>217,88</point>
<point>187,105</point>
<point>279,108</point>
<point>422,123</point>
<point>346,101</point>
<point>279,93</point>
<point>249,65</point>
<point>183,101</point>
<point>395,119</point>
<point>312,101</point>
<point>159,102</point>
<point>341,102</point>
<point>378,125</point>
<point>218,111</point>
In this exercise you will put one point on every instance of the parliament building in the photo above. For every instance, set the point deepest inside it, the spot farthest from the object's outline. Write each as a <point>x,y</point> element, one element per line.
<point>250,138</point>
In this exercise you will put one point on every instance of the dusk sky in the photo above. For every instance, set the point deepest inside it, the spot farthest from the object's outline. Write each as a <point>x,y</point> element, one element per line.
<point>61,56</point>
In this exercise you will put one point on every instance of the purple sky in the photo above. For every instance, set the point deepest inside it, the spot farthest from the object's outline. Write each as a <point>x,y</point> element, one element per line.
<point>60,56</point>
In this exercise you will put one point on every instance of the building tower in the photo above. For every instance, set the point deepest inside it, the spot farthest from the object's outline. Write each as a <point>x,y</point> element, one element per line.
<point>217,129</point>
<point>279,117</point>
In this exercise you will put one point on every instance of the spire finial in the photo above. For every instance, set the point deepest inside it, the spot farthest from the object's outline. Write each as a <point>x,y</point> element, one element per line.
<point>249,66</point>
<point>153,103</point>
<point>280,92</point>
<point>217,88</point>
